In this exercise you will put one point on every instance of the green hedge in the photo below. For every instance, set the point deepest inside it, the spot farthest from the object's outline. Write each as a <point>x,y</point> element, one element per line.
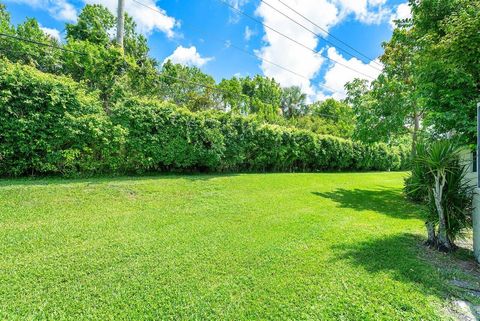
<point>50,125</point>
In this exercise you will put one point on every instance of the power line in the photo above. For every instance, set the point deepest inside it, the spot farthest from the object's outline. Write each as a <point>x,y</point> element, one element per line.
<point>328,33</point>
<point>160,75</point>
<point>225,92</point>
<point>229,93</point>
<point>291,39</point>
<point>229,44</point>
<point>40,43</point>
<point>276,31</point>
<point>312,32</point>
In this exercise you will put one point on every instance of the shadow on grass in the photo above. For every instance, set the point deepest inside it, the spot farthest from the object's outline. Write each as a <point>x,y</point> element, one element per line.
<point>58,180</point>
<point>386,201</point>
<point>400,257</point>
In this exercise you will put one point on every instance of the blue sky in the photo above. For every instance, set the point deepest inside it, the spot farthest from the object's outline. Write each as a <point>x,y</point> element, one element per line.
<point>199,33</point>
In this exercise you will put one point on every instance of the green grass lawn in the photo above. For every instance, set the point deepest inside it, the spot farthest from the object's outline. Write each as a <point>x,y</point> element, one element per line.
<point>234,247</point>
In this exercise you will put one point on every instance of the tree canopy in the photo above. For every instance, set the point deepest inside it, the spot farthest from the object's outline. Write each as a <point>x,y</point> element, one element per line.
<point>429,85</point>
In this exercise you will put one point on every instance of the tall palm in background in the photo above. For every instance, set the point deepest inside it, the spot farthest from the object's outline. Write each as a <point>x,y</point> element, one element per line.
<point>293,101</point>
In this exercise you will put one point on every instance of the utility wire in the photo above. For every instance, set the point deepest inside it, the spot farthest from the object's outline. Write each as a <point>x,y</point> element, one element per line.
<point>328,33</point>
<point>274,30</point>
<point>290,38</point>
<point>226,92</point>
<point>313,32</point>
<point>40,43</point>
<point>160,75</point>
<point>229,44</point>
<point>278,66</point>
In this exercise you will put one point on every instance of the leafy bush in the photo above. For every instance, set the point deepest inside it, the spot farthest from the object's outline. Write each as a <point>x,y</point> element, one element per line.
<point>438,182</point>
<point>50,124</point>
<point>162,136</point>
<point>251,146</point>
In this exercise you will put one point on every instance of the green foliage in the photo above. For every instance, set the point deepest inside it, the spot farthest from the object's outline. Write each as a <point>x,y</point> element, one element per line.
<point>164,137</point>
<point>233,98</point>
<point>44,58</point>
<point>50,125</point>
<point>188,87</point>
<point>332,117</point>
<point>416,187</point>
<point>116,73</point>
<point>258,96</point>
<point>93,25</point>
<point>293,102</point>
<point>6,27</point>
<point>430,83</point>
<point>437,160</point>
<point>100,68</point>
<point>264,147</point>
<point>449,77</point>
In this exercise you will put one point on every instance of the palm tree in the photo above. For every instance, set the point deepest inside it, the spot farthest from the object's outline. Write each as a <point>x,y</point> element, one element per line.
<point>439,176</point>
<point>293,101</point>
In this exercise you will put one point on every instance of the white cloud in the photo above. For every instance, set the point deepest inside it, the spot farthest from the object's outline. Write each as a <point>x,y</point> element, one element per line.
<point>374,3</point>
<point>284,52</point>
<point>365,11</point>
<point>54,33</point>
<point>187,56</point>
<point>58,9</point>
<point>326,14</point>
<point>337,75</point>
<point>237,4</point>
<point>403,11</point>
<point>147,20</point>
<point>248,33</point>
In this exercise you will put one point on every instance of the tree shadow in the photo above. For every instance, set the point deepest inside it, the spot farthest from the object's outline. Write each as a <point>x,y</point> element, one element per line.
<point>400,256</point>
<point>386,201</point>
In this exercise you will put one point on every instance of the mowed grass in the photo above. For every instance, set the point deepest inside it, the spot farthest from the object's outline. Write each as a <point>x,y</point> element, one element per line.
<point>230,247</point>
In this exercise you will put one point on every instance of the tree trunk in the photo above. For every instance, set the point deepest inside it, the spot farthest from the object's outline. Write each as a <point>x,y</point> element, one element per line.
<point>444,243</point>
<point>416,129</point>
<point>432,237</point>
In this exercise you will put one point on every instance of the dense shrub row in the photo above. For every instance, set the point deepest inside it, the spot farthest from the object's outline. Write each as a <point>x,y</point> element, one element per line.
<point>51,125</point>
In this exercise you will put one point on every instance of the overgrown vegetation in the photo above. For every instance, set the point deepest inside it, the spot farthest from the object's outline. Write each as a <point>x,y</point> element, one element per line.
<point>430,87</point>
<point>96,60</point>
<point>430,83</point>
<point>49,124</point>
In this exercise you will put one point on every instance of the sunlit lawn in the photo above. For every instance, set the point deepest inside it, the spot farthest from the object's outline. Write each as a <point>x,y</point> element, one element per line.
<point>233,247</point>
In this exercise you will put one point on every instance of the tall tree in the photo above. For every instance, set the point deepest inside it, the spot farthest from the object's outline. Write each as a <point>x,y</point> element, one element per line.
<point>338,117</point>
<point>188,86</point>
<point>6,27</point>
<point>448,64</point>
<point>233,98</point>
<point>264,96</point>
<point>103,66</point>
<point>45,58</point>
<point>293,101</point>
